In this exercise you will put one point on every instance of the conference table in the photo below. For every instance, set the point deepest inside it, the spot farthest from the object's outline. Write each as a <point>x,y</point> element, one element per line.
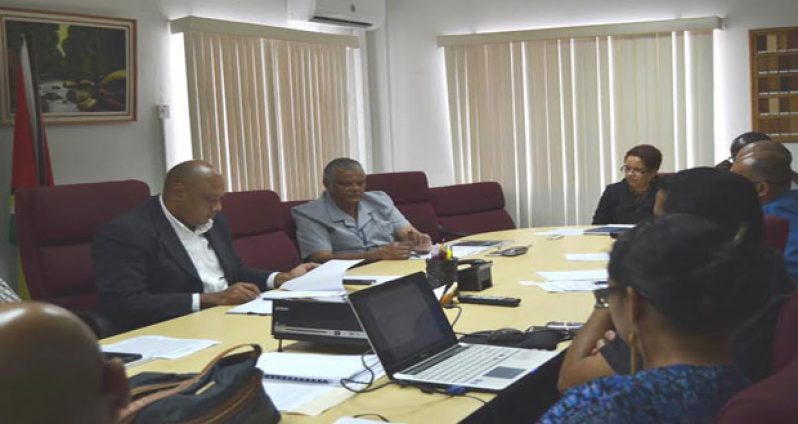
<point>408,404</point>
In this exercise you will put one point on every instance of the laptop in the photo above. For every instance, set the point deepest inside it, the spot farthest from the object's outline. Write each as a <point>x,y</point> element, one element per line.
<point>415,343</point>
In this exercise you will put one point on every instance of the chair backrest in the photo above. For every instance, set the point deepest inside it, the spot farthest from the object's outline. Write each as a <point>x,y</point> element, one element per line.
<point>55,228</point>
<point>411,195</point>
<point>776,232</point>
<point>785,335</point>
<point>471,208</point>
<point>260,227</point>
<point>288,205</point>
<point>771,400</point>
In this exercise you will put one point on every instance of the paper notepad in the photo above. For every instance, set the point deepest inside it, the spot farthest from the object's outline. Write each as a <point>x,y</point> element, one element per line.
<point>586,275</point>
<point>159,346</point>
<point>316,368</point>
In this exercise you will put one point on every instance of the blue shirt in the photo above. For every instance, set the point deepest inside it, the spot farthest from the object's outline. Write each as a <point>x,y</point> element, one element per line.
<point>786,207</point>
<point>672,394</point>
<point>323,226</point>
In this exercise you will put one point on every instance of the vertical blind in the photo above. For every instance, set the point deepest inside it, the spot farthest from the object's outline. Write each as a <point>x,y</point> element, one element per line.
<point>269,112</point>
<point>551,119</point>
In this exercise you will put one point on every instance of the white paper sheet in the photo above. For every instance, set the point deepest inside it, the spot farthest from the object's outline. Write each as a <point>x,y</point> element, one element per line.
<point>561,232</point>
<point>458,251</point>
<point>160,346</point>
<point>305,399</point>
<point>585,275</point>
<point>327,277</point>
<point>259,306</point>
<point>565,286</point>
<point>587,256</point>
<point>377,279</point>
<point>316,368</point>
<point>295,294</point>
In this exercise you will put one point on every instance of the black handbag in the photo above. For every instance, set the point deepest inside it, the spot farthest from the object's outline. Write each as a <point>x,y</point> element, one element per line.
<point>229,390</point>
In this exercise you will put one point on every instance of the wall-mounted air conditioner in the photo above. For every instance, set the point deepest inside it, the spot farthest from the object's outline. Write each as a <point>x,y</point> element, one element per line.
<point>363,14</point>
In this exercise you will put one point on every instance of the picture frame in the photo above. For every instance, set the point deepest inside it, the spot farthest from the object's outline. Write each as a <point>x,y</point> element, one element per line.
<point>86,65</point>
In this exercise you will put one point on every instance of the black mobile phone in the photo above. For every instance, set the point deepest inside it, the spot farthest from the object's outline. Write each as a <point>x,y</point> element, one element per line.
<point>124,357</point>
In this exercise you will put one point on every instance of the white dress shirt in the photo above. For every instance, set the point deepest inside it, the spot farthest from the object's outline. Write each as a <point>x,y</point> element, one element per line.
<point>202,256</point>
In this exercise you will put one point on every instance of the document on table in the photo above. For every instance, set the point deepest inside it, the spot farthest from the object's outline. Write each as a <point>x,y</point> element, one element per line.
<point>567,286</point>
<point>327,277</point>
<point>159,346</point>
<point>561,232</point>
<point>585,275</point>
<point>259,306</point>
<point>309,384</point>
<point>316,368</point>
<point>587,256</point>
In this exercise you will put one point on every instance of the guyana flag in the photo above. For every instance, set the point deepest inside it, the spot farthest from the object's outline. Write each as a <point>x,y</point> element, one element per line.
<point>30,166</point>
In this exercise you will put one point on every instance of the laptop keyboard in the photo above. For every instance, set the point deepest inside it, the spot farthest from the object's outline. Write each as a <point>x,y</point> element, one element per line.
<point>471,361</point>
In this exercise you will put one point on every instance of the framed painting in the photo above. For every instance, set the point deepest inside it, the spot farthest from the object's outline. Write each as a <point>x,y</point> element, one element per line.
<point>85,66</point>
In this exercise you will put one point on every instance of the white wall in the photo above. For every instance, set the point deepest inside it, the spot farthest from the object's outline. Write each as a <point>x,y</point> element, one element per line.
<point>413,101</point>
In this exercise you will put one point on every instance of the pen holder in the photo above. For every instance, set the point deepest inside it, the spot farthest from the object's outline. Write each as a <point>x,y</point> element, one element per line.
<point>441,272</point>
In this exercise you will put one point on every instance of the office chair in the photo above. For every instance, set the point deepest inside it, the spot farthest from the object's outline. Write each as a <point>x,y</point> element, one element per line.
<point>776,232</point>
<point>260,225</point>
<point>411,195</point>
<point>465,209</point>
<point>55,228</point>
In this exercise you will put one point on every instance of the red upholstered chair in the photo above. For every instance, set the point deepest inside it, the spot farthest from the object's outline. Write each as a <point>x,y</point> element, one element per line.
<point>260,224</point>
<point>772,400</point>
<point>55,228</point>
<point>465,209</point>
<point>785,335</point>
<point>411,195</point>
<point>776,232</point>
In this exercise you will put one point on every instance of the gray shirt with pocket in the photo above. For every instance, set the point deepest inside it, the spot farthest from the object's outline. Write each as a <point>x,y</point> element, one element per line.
<point>322,226</point>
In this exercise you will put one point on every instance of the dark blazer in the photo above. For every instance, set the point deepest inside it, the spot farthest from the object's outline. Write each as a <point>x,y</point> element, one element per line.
<point>144,274</point>
<point>618,205</point>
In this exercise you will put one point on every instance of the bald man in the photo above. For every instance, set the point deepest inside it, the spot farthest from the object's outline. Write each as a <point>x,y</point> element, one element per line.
<point>52,371</point>
<point>174,254</point>
<point>768,167</point>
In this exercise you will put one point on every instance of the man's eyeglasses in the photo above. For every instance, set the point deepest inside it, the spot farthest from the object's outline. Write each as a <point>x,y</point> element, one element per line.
<point>634,171</point>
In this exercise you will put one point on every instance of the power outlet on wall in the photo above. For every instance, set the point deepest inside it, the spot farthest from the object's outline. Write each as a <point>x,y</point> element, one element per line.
<point>163,112</point>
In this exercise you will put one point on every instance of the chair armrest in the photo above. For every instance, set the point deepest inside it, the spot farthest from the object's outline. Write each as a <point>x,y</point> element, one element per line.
<point>99,323</point>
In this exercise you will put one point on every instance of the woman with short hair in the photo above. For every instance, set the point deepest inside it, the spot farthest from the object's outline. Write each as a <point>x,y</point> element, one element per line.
<point>631,200</point>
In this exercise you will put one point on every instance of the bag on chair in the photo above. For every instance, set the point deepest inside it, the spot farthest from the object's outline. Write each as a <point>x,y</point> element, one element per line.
<point>229,390</point>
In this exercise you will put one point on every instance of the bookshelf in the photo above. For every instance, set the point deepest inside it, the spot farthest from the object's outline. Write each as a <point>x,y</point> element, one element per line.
<point>774,82</point>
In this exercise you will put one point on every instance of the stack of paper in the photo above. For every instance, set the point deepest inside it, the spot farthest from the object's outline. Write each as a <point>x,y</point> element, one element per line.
<point>566,281</point>
<point>150,347</point>
<point>324,281</point>
<point>587,256</point>
<point>561,232</point>
<point>309,384</point>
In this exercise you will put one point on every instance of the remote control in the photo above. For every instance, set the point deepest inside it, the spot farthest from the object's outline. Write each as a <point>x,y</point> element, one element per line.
<point>489,300</point>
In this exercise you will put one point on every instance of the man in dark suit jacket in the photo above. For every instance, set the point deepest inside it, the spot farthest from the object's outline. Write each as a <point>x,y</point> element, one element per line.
<point>174,254</point>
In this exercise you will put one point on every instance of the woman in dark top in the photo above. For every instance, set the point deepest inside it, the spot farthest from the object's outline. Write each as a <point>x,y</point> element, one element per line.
<point>676,287</point>
<point>632,199</point>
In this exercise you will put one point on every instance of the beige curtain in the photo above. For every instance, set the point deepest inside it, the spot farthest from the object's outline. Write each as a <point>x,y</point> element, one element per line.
<point>269,113</point>
<point>551,119</point>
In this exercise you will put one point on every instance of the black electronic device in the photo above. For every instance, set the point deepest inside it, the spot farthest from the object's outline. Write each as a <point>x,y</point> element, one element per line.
<point>329,320</point>
<point>511,251</point>
<point>476,276</point>
<point>489,300</point>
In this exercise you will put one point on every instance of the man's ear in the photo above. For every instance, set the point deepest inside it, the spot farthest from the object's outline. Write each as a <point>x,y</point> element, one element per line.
<point>115,387</point>
<point>763,189</point>
<point>179,191</point>
<point>327,183</point>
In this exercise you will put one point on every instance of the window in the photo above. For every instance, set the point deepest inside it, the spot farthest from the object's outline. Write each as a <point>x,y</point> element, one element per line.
<point>550,113</point>
<point>271,106</point>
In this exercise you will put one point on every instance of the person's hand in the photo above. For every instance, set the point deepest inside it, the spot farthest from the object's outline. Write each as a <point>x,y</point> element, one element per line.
<point>600,343</point>
<point>298,270</point>
<point>236,294</point>
<point>395,250</point>
<point>419,242</point>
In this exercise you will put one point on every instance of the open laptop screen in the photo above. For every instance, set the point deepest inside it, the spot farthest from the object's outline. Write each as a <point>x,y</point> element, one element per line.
<point>404,322</point>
